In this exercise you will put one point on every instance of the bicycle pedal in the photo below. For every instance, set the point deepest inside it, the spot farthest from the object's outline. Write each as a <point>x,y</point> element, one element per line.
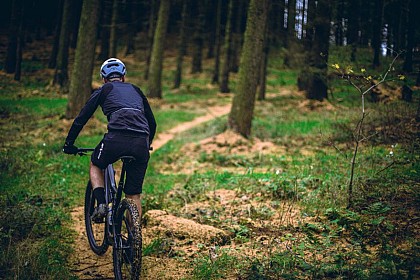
<point>98,221</point>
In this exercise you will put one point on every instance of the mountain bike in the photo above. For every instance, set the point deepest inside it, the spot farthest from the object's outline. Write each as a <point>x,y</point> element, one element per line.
<point>121,228</point>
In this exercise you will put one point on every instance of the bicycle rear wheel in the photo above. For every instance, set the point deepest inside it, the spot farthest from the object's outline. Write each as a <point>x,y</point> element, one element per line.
<point>128,250</point>
<point>96,232</point>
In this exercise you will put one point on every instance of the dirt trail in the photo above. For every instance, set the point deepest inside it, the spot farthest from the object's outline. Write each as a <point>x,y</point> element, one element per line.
<point>85,264</point>
<point>166,136</point>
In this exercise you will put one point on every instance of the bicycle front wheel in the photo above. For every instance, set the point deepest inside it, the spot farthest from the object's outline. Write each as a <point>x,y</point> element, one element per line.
<point>128,250</point>
<point>96,232</point>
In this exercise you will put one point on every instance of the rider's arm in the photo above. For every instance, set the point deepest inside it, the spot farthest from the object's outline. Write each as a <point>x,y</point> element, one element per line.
<point>149,114</point>
<point>84,115</point>
<point>150,119</point>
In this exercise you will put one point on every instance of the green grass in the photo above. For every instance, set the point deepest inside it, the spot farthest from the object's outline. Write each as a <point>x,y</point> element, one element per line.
<point>41,107</point>
<point>374,240</point>
<point>167,119</point>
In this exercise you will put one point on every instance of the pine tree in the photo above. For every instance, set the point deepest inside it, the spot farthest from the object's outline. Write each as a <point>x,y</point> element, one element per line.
<point>241,114</point>
<point>81,78</point>
<point>313,77</point>
<point>156,62</point>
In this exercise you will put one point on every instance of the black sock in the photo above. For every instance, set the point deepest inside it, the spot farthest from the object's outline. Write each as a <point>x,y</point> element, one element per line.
<point>99,194</point>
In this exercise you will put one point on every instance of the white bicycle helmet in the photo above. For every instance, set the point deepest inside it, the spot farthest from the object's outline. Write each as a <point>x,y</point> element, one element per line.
<point>112,66</point>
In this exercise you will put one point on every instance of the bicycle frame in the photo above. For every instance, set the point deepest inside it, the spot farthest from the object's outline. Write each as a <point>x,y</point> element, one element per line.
<point>113,195</point>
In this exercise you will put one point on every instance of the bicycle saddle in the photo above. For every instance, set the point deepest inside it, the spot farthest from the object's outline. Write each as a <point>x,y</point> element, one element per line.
<point>127,159</point>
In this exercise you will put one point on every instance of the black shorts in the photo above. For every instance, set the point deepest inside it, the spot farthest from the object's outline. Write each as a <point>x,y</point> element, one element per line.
<point>115,145</point>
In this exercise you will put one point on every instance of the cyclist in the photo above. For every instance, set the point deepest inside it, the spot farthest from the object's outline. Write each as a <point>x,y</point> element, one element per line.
<point>131,128</point>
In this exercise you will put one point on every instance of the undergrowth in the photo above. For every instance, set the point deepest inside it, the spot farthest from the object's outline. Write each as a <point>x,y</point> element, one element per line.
<point>289,219</point>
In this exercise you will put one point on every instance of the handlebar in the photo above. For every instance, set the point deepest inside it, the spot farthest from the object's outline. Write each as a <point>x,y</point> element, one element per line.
<point>83,151</point>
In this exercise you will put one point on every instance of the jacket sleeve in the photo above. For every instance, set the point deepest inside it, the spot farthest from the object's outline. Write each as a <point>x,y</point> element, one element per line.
<point>149,114</point>
<point>83,117</point>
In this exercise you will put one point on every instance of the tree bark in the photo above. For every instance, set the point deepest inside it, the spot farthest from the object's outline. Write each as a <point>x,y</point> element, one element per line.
<point>310,28</point>
<point>353,28</point>
<point>313,77</point>
<point>20,42</point>
<point>113,40</point>
<point>224,75</point>
<point>105,31</point>
<point>236,38</point>
<point>411,30</point>
<point>10,63</point>
<point>377,32</point>
<point>150,35</point>
<point>53,57</point>
<point>77,10</point>
<point>81,77</point>
<point>291,20</point>
<point>289,60</point>
<point>132,12</point>
<point>61,76</point>
<point>182,44</point>
<point>263,67</point>
<point>216,70</point>
<point>156,62</point>
<point>198,40</point>
<point>241,114</point>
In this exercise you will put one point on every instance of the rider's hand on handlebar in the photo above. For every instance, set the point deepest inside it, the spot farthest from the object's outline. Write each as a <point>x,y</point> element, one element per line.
<point>70,149</point>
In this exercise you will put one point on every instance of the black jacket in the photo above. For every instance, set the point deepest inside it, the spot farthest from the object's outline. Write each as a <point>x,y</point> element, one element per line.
<point>125,106</point>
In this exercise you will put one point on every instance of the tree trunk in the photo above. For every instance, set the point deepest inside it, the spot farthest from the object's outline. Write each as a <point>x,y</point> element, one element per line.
<point>365,23</point>
<point>182,44</point>
<point>310,29</point>
<point>10,63</point>
<point>339,31</point>
<point>105,31</point>
<point>150,35</point>
<point>20,42</point>
<point>236,38</point>
<point>61,76</point>
<point>313,77</point>
<point>215,78</point>
<point>132,12</point>
<point>277,22</point>
<point>81,77</point>
<point>411,30</point>
<point>353,28</point>
<point>156,62</point>
<point>263,67</point>
<point>211,18</point>
<point>224,75</point>
<point>289,60</point>
<point>77,10</point>
<point>377,32</point>
<point>198,40</point>
<point>113,40</point>
<point>291,20</point>
<point>241,114</point>
<point>402,26</point>
<point>53,58</point>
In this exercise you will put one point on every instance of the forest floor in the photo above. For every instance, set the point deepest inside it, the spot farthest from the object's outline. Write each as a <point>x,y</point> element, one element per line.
<point>188,235</point>
<point>228,217</point>
<point>87,265</point>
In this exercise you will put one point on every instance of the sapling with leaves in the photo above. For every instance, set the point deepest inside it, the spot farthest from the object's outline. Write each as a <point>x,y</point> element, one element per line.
<point>364,84</point>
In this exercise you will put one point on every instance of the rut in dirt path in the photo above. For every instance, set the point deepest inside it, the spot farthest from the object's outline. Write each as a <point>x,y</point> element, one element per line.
<point>86,264</point>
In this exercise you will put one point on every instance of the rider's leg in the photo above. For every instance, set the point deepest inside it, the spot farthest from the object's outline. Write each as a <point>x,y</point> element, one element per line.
<point>96,176</point>
<point>97,181</point>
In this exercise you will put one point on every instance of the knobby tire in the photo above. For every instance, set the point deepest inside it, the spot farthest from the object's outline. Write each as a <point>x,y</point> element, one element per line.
<point>96,233</point>
<point>127,252</point>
